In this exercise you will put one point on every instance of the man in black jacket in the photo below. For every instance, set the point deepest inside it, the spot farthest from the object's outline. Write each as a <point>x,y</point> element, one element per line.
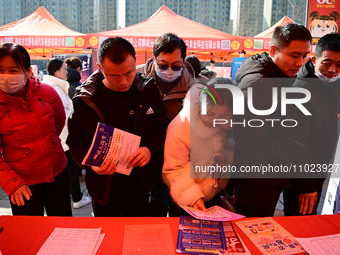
<point>271,144</point>
<point>318,132</point>
<point>119,97</point>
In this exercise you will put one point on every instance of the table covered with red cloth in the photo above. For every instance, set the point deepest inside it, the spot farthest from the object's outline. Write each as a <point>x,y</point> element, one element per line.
<point>26,234</point>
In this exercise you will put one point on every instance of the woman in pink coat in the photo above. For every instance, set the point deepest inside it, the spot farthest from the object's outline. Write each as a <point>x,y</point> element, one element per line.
<point>32,160</point>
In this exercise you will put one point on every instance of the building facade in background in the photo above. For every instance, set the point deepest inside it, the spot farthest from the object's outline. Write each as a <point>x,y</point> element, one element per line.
<point>253,17</point>
<point>213,13</point>
<point>85,16</point>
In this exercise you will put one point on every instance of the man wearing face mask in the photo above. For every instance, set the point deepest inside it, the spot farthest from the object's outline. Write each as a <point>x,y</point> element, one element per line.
<point>169,69</point>
<point>318,132</point>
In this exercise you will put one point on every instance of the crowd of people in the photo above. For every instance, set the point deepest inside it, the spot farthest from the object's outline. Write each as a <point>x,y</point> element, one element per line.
<point>46,128</point>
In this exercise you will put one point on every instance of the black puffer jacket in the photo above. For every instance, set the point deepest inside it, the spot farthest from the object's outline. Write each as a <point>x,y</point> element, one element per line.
<point>318,132</point>
<point>262,145</point>
<point>151,128</point>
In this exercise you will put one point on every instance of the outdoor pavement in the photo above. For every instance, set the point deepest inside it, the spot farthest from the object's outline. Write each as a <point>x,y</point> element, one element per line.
<point>86,211</point>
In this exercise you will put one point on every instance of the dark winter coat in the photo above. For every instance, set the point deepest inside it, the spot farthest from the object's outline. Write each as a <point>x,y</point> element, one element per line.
<point>151,128</point>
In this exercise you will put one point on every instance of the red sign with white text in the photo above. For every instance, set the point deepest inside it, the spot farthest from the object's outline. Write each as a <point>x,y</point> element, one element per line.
<point>323,17</point>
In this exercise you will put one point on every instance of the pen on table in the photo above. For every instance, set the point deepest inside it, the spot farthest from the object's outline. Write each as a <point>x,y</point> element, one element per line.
<point>1,228</point>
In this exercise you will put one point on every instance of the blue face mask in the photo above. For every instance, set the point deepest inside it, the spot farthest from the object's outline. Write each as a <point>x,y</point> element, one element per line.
<point>168,75</point>
<point>326,79</point>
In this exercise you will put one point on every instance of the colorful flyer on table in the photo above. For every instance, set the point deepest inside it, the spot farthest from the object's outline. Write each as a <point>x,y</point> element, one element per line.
<point>233,241</point>
<point>213,213</point>
<point>200,237</point>
<point>112,144</point>
<point>269,236</point>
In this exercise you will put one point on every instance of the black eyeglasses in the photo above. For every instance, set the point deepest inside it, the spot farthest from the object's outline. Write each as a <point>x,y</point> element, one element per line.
<point>166,67</point>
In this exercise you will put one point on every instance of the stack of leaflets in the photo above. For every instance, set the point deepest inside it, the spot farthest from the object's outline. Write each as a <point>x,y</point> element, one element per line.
<point>213,213</point>
<point>269,236</point>
<point>200,237</point>
<point>85,241</point>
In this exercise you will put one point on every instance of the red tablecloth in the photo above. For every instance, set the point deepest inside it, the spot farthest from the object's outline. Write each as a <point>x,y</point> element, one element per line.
<point>25,235</point>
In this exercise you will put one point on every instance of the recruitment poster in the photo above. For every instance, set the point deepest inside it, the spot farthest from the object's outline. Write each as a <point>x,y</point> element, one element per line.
<point>86,59</point>
<point>323,18</point>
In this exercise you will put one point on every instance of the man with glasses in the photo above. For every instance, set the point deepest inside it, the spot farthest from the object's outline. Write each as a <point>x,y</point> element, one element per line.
<point>119,97</point>
<point>169,68</point>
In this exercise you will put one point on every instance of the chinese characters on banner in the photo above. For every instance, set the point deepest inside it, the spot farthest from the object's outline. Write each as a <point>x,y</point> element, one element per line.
<point>323,18</point>
<point>45,41</point>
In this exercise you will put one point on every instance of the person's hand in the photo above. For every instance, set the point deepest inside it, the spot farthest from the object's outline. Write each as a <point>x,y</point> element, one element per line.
<point>140,157</point>
<point>307,202</point>
<point>17,197</point>
<point>108,168</point>
<point>199,205</point>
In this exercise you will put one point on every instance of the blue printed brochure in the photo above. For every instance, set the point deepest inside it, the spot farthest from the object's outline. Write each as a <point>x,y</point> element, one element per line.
<point>112,144</point>
<point>200,237</point>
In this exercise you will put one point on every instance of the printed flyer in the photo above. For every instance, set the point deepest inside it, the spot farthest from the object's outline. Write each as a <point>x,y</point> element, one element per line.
<point>200,237</point>
<point>270,237</point>
<point>234,243</point>
<point>112,144</point>
<point>215,212</point>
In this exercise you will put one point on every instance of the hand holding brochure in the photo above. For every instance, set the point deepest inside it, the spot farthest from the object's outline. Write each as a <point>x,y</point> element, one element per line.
<point>215,212</point>
<point>112,144</point>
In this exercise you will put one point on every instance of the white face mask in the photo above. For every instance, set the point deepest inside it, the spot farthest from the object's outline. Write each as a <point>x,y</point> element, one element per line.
<point>12,83</point>
<point>168,75</point>
<point>326,79</point>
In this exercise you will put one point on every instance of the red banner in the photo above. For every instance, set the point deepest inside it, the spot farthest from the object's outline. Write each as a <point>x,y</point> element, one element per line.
<point>237,45</point>
<point>46,41</point>
<point>323,17</point>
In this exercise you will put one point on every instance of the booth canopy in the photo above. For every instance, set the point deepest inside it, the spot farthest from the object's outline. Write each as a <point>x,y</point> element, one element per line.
<point>269,32</point>
<point>41,34</point>
<point>199,38</point>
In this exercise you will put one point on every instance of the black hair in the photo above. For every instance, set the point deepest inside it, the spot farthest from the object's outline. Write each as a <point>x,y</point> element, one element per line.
<point>54,65</point>
<point>73,62</point>
<point>116,49</point>
<point>328,42</point>
<point>18,53</point>
<point>283,35</point>
<point>195,63</point>
<point>224,94</point>
<point>168,43</point>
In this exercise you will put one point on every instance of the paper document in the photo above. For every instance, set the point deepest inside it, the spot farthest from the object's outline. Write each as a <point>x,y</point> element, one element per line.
<point>148,239</point>
<point>321,245</point>
<point>213,213</point>
<point>235,245</point>
<point>269,236</point>
<point>112,144</point>
<point>69,241</point>
<point>200,236</point>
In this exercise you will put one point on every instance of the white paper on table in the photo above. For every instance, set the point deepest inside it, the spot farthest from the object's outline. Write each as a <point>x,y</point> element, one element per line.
<point>151,239</point>
<point>321,245</point>
<point>69,241</point>
<point>98,243</point>
<point>215,213</point>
